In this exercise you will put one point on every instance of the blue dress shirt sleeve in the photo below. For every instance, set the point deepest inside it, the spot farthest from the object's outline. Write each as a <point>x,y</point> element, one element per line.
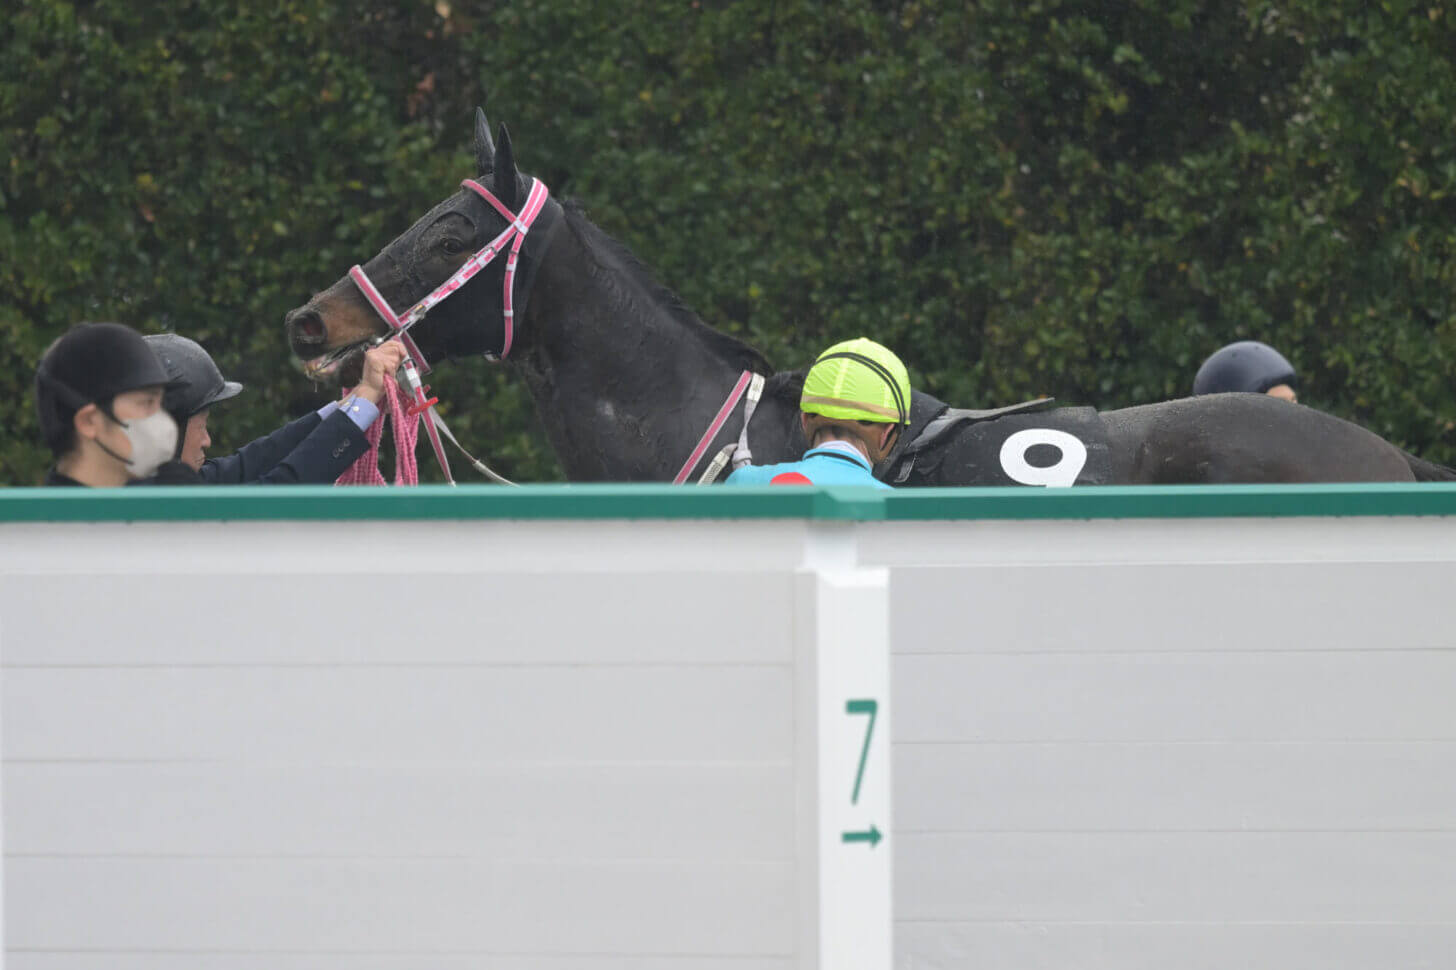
<point>361,411</point>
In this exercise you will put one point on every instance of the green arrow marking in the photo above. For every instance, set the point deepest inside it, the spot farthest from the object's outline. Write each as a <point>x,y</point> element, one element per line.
<point>872,836</point>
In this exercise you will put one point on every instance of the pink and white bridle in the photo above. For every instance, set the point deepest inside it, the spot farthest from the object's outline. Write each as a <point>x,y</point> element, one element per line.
<point>514,234</point>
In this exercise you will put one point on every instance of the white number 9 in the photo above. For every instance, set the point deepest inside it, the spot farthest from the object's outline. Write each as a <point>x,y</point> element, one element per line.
<point>1061,475</point>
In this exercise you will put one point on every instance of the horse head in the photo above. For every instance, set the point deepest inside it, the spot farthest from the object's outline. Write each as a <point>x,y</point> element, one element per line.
<point>332,330</point>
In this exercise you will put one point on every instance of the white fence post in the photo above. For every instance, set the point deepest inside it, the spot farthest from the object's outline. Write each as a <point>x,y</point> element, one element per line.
<point>844,632</point>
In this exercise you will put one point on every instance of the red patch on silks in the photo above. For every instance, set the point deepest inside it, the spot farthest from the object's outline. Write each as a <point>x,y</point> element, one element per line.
<point>789,478</point>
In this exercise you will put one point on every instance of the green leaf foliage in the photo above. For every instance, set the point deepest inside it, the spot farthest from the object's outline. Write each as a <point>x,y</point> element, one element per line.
<point>1022,198</point>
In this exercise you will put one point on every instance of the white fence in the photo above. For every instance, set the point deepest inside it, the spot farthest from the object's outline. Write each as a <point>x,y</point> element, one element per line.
<point>1198,744</point>
<point>648,728</point>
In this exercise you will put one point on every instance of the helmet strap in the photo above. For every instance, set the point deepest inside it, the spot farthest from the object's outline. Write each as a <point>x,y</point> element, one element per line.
<point>109,451</point>
<point>95,439</point>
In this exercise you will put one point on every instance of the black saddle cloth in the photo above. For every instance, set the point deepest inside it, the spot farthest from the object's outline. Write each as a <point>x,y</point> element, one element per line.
<point>957,446</point>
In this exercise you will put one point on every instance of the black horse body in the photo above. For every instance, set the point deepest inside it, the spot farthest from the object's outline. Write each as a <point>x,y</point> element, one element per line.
<point>627,379</point>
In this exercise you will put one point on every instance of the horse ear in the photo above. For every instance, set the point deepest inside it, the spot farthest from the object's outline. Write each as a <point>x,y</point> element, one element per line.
<point>484,147</point>
<point>504,181</point>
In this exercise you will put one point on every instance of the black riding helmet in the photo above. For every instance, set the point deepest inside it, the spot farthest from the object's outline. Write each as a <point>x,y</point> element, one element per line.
<point>198,382</point>
<point>1244,366</point>
<point>90,363</point>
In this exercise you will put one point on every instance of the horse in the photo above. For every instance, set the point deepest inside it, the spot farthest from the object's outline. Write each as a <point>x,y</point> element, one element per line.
<point>632,385</point>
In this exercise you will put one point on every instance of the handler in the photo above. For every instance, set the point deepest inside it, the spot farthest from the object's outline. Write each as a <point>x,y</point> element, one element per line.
<point>1249,366</point>
<point>855,401</point>
<point>317,448</point>
<point>98,395</point>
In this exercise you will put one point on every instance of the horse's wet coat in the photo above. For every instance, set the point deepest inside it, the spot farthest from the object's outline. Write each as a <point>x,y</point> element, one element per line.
<point>626,378</point>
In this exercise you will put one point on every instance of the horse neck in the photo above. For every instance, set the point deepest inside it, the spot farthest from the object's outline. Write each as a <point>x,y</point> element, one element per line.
<point>624,384</point>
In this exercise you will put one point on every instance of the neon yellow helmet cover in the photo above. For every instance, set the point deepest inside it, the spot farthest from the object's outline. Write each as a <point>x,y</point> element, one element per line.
<point>858,380</point>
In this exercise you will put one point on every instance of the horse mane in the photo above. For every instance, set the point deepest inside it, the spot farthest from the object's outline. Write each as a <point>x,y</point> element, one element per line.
<point>787,387</point>
<point>737,352</point>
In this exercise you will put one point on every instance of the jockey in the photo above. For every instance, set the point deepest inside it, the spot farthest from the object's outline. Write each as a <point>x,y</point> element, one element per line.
<point>98,395</point>
<point>1248,366</point>
<point>856,399</point>
<point>317,448</point>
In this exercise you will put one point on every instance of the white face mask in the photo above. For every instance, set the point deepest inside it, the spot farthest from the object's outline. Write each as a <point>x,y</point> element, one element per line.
<point>153,441</point>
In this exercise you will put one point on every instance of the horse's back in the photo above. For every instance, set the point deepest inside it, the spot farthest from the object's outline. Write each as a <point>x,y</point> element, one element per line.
<point>1245,438</point>
<point>1429,471</point>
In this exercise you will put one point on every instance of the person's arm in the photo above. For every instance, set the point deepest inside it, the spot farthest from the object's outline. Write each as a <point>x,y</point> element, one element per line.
<point>256,458</point>
<point>328,441</point>
<point>327,452</point>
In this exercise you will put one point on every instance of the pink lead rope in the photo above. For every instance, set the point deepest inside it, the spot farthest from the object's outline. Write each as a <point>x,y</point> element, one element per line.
<point>365,471</point>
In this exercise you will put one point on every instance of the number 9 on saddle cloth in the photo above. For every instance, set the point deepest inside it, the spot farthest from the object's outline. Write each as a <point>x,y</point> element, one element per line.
<point>1032,443</point>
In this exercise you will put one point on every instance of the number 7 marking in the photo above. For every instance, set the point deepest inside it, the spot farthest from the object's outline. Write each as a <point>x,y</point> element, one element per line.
<point>870,707</point>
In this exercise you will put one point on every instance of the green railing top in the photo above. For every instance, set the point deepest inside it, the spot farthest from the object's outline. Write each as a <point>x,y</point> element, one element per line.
<point>255,503</point>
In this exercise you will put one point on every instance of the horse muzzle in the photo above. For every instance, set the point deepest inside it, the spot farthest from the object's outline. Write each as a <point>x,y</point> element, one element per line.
<point>308,338</point>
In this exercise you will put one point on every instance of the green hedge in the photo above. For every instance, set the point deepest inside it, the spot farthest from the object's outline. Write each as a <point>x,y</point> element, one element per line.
<point>1023,197</point>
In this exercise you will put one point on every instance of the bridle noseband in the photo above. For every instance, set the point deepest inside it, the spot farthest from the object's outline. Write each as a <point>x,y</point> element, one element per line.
<point>517,226</point>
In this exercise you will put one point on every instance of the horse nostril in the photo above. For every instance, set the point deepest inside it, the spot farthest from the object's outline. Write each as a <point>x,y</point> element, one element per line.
<point>308,327</point>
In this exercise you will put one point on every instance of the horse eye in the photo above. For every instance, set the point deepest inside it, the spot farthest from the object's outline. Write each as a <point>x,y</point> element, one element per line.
<point>451,247</point>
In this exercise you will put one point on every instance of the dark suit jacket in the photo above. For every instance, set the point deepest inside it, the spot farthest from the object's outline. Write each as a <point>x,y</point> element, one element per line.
<point>306,451</point>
